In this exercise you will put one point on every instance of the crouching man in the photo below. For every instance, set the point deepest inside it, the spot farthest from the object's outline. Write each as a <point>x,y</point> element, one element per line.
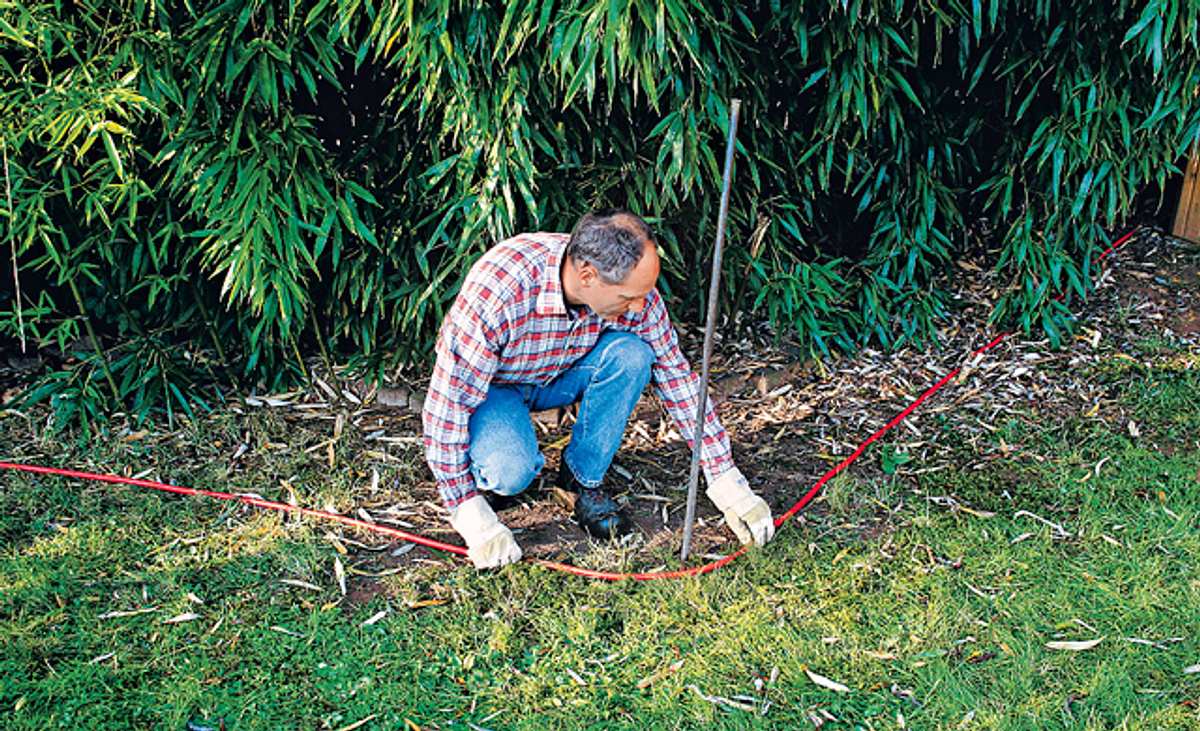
<point>545,320</point>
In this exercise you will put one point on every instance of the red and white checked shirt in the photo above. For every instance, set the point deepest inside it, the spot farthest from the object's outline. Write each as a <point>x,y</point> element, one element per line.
<point>509,324</point>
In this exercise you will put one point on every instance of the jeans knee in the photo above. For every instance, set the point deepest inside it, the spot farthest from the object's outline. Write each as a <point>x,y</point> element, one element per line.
<point>507,472</point>
<point>631,355</point>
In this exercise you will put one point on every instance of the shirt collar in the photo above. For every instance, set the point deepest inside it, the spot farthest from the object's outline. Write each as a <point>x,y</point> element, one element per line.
<point>550,300</point>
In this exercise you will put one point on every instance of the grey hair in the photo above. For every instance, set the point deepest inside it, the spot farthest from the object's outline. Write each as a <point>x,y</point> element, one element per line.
<point>612,240</point>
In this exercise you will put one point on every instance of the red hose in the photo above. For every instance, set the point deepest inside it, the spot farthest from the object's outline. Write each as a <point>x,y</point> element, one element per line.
<point>567,568</point>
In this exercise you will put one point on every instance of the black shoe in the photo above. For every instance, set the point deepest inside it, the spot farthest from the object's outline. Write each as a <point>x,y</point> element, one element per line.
<point>501,502</point>
<point>595,509</point>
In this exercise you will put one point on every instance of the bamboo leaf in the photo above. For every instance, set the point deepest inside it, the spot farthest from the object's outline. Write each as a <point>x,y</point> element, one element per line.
<point>113,157</point>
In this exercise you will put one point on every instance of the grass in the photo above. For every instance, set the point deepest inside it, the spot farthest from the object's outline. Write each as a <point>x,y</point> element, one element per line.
<point>939,620</point>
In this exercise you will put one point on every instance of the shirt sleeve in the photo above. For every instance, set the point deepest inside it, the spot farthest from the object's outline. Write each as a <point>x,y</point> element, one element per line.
<point>678,387</point>
<point>468,348</point>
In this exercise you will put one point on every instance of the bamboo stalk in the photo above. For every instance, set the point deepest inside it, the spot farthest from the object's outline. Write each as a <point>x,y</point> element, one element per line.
<point>208,322</point>
<point>325,357</point>
<point>300,361</point>
<point>12,240</point>
<point>87,324</point>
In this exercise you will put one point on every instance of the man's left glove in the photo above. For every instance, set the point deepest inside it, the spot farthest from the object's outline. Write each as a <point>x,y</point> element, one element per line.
<point>748,515</point>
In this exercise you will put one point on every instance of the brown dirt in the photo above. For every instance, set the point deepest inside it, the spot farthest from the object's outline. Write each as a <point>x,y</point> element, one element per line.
<point>1173,294</point>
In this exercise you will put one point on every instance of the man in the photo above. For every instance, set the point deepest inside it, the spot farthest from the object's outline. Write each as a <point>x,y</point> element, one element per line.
<point>542,321</point>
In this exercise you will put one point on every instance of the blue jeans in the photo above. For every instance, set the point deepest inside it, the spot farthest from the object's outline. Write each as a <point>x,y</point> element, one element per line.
<point>606,382</point>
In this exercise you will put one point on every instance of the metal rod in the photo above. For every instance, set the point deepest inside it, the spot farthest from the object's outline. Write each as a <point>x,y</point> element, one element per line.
<point>711,324</point>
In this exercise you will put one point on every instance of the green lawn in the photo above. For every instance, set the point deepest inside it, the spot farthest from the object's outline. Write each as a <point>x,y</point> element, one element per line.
<point>938,618</point>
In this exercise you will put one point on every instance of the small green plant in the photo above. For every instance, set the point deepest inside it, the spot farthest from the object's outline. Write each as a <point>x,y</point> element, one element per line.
<point>842,493</point>
<point>891,459</point>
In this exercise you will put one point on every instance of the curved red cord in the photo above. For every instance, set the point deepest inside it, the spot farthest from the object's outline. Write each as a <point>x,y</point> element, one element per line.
<point>555,565</point>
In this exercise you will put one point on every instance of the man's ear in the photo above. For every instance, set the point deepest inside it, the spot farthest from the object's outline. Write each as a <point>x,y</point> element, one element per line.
<point>588,274</point>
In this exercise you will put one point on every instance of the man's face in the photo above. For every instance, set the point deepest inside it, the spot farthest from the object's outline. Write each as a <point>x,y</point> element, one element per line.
<point>611,301</point>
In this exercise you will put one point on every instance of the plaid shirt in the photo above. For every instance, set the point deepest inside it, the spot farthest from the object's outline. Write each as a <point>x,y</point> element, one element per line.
<point>509,324</point>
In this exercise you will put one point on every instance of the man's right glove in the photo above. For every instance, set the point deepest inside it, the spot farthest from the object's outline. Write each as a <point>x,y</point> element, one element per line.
<point>489,542</point>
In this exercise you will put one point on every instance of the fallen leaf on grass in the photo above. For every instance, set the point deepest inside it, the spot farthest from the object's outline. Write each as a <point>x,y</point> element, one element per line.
<point>1192,669</point>
<point>977,513</point>
<point>1077,646</point>
<point>1156,644</point>
<point>425,603</point>
<point>301,584</point>
<point>126,613</point>
<point>375,618</point>
<point>722,701</point>
<point>825,682</point>
<point>339,571</point>
<point>357,724</point>
<point>178,618</point>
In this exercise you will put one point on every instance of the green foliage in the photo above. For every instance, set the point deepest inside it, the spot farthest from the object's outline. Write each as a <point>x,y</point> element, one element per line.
<point>228,184</point>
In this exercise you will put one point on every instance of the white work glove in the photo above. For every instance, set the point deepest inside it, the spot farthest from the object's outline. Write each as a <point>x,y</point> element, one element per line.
<point>489,542</point>
<point>747,514</point>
